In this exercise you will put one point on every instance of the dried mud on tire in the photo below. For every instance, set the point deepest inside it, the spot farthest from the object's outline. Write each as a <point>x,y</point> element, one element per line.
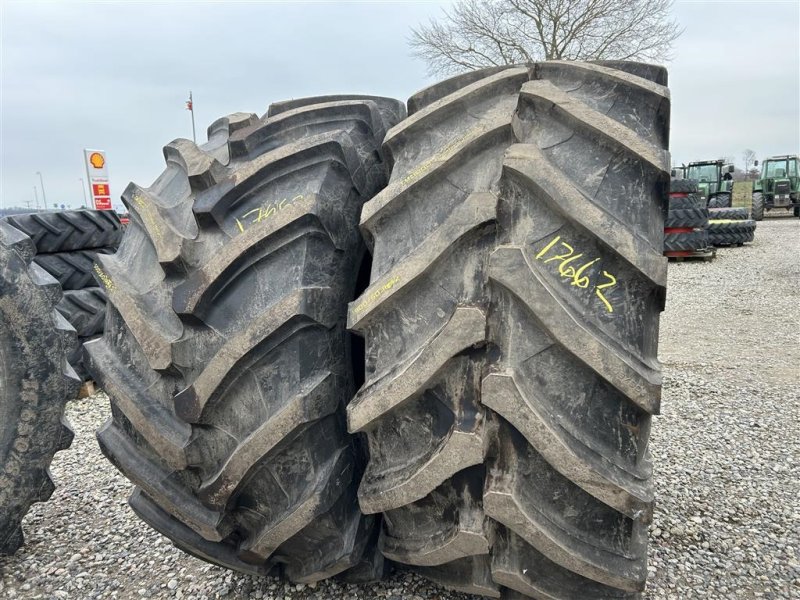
<point>35,382</point>
<point>225,352</point>
<point>508,388</point>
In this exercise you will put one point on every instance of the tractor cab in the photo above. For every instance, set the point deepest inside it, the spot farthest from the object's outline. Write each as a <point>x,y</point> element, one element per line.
<point>714,181</point>
<point>779,183</point>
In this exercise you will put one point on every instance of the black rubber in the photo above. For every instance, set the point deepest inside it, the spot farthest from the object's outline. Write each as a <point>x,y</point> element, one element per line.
<point>740,214</point>
<point>655,73</point>
<point>35,383</point>
<point>504,452</point>
<point>689,202</point>
<point>85,310</point>
<point>72,270</point>
<point>687,217</point>
<point>743,225</point>
<point>67,230</point>
<point>731,232</point>
<point>225,352</point>
<point>683,186</point>
<point>730,238</point>
<point>721,200</point>
<point>446,87</point>
<point>678,242</point>
<point>757,212</point>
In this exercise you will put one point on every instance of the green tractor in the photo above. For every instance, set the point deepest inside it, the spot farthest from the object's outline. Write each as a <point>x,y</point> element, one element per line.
<point>778,186</point>
<point>714,180</point>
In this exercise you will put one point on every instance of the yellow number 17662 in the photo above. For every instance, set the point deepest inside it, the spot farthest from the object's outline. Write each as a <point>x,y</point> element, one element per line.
<point>566,262</point>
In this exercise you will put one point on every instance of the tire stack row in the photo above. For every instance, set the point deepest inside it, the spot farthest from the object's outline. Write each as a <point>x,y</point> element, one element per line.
<point>67,243</point>
<point>686,224</point>
<point>730,227</point>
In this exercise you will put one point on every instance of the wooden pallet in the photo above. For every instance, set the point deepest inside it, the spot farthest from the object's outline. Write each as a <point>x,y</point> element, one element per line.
<point>704,254</point>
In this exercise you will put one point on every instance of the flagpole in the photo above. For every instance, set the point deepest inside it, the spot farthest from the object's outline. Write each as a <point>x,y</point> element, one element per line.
<point>191,109</point>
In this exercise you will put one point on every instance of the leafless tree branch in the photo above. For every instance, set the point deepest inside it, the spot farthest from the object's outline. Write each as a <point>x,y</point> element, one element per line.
<point>483,33</point>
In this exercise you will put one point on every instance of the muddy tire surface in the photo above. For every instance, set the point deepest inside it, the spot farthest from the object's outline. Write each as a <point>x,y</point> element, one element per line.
<point>35,382</point>
<point>511,326</point>
<point>225,352</point>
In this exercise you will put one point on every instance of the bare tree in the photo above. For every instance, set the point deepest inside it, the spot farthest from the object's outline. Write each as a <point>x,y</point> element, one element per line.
<point>749,156</point>
<point>481,33</point>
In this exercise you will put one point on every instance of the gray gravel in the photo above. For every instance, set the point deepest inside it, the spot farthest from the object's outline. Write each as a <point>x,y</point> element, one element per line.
<point>726,448</point>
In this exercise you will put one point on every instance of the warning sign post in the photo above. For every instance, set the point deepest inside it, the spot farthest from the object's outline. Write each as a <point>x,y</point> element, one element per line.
<point>97,175</point>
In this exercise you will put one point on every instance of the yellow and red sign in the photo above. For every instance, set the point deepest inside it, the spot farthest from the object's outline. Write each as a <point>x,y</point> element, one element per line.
<point>97,160</point>
<point>97,174</point>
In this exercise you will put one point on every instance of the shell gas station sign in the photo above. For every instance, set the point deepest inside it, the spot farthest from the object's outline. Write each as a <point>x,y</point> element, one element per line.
<point>97,176</point>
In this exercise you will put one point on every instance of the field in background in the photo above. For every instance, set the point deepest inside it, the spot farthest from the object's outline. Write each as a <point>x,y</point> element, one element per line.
<point>742,194</point>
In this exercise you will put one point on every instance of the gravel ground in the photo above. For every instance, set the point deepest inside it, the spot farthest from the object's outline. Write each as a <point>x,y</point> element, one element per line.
<point>726,448</point>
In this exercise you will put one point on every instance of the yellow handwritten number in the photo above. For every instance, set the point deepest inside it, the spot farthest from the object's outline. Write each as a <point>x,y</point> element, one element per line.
<point>577,278</point>
<point>603,286</point>
<point>544,250</point>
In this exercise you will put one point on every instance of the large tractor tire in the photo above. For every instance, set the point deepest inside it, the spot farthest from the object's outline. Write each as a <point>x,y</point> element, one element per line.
<point>35,383</point>
<point>225,352</point>
<point>511,326</point>
<point>757,212</point>
<point>68,230</point>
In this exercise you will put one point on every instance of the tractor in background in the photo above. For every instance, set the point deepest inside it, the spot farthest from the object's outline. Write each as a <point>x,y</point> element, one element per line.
<point>714,181</point>
<point>778,187</point>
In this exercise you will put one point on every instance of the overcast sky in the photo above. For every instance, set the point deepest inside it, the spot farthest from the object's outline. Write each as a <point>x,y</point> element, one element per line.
<point>115,76</point>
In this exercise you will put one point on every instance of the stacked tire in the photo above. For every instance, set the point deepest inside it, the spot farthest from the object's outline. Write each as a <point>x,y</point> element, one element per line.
<point>730,227</point>
<point>720,200</point>
<point>731,232</point>
<point>35,382</point>
<point>728,214</point>
<point>498,443</point>
<point>686,224</point>
<point>67,244</point>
